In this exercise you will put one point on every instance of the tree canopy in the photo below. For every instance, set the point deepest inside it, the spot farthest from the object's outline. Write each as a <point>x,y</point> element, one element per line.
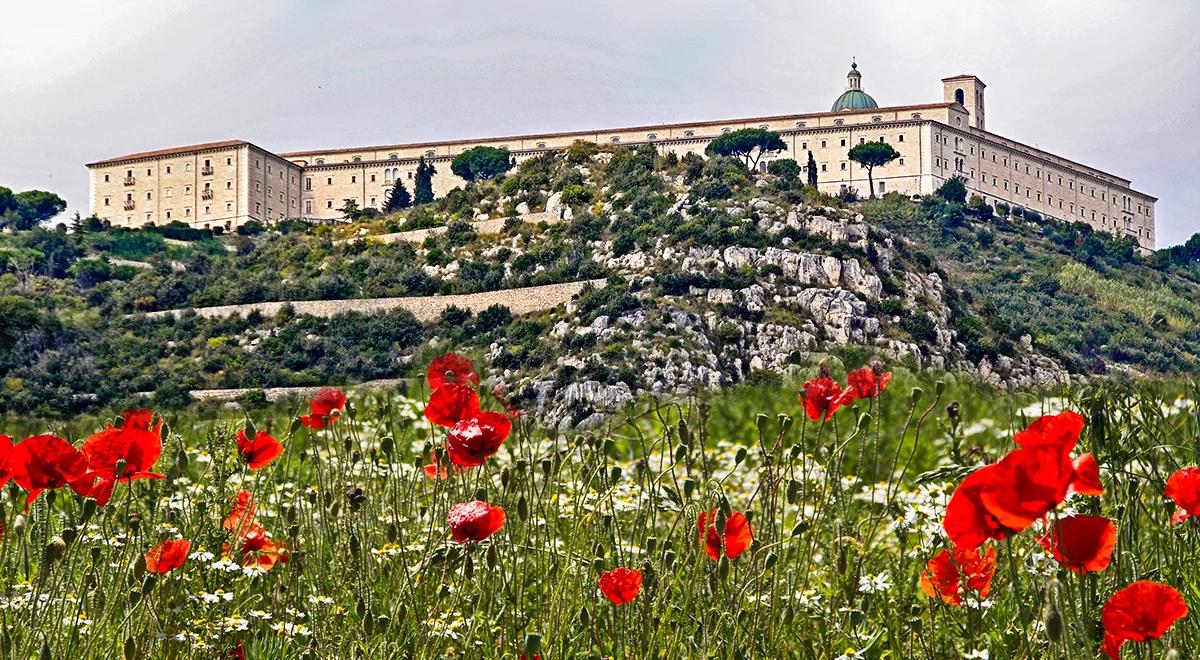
<point>953,190</point>
<point>871,155</point>
<point>26,210</point>
<point>785,168</point>
<point>398,198</point>
<point>748,144</point>
<point>481,163</point>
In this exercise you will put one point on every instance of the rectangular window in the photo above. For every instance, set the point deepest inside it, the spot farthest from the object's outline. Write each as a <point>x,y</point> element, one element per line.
<point>882,186</point>
<point>187,167</point>
<point>229,161</point>
<point>328,203</point>
<point>187,212</point>
<point>803,145</point>
<point>228,185</point>
<point>329,181</point>
<point>308,183</point>
<point>372,201</point>
<point>168,214</point>
<point>353,179</point>
<point>208,210</point>
<point>372,178</point>
<point>105,178</point>
<point>824,167</point>
<point>843,142</point>
<point>148,171</point>
<point>901,161</point>
<point>167,192</point>
<point>900,138</point>
<point>823,144</point>
<point>168,169</point>
<point>308,206</point>
<point>106,201</point>
<point>228,206</point>
<point>843,167</point>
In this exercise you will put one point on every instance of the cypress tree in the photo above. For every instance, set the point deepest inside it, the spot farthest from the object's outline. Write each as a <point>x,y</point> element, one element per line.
<point>423,184</point>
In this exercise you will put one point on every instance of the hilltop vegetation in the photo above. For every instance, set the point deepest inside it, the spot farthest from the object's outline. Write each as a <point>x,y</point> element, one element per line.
<point>715,275</point>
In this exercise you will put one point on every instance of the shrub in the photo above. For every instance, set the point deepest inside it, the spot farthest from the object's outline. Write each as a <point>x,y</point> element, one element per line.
<point>575,194</point>
<point>953,190</point>
<point>784,168</point>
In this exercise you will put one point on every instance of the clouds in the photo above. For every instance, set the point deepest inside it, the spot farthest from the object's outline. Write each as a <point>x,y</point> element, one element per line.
<point>1111,84</point>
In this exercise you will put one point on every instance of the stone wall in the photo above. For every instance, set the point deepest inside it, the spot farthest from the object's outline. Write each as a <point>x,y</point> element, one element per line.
<point>424,308</point>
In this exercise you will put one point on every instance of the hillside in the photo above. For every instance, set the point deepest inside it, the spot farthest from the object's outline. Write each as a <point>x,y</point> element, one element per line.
<point>710,276</point>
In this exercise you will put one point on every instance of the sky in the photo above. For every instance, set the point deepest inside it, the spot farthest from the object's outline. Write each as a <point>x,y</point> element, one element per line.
<point>1112,84</point>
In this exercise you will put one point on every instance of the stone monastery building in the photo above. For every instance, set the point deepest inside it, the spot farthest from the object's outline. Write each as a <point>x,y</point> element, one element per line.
<point>231,182</point>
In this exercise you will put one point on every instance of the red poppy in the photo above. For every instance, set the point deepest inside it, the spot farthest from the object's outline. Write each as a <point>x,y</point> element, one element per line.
<point>472,440</point>
<point>948,574</point>
<point>867,383</point>
<point>237,652</point>
<point>737,535</point>
<point>1061,431</point>
<point>822,397</point>
<point>474,521</point>
<point>258,548</point>
<point>168,555</point>
<point>1143,610</point>
<point>620,585</point>
<point>325,407</point>
<point>1183,488</point>
<point>452,403</point>
<point>451,368</point>
<point>968,522</point>
<point>241,513</point>
<point>1081,543</point>
<point>46,461</point>
<point>259,452</point>
<point>135,446</point>
<point>6,450</point>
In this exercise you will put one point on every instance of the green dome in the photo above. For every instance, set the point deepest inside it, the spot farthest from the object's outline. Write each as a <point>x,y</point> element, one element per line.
<point>854,99</point>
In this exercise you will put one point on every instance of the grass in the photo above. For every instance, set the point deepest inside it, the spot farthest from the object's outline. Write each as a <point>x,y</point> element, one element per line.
<point>845,514</point>
<point>1146,303</point>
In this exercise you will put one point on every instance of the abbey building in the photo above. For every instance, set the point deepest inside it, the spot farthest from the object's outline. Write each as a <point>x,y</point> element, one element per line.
<point>231,182</point>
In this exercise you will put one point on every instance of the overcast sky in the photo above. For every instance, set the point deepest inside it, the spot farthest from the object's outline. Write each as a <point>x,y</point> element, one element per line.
<point>1111,84</point>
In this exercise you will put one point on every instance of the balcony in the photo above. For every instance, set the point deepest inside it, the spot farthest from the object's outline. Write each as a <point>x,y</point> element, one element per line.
<point>207,193</point>
<point>207,170</point>
<point>129,205</point>
<point>129,181</point>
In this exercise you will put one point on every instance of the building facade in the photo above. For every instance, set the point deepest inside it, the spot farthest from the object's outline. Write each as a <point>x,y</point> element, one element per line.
<point>229,183</point>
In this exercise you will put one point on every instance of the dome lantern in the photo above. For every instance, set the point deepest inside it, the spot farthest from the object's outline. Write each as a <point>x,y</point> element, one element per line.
<point>854,98</point>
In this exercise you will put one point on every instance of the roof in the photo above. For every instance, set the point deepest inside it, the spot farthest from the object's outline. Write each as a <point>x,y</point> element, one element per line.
<point>626,129</point>
<point>854,99</point>
<point>965,76</point>
<point>192,148</point>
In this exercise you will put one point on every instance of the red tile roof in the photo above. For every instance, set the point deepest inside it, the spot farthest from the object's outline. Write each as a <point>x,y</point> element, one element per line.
<point>192,148</point>
<point>744,120</point>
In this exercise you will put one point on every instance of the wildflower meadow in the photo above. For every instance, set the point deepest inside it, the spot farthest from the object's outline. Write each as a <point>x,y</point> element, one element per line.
<point>861,514</point>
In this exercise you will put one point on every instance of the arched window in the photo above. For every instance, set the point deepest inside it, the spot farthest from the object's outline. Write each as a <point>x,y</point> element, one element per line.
<point>877,119</point>
<point>616,139</point>
<point>838,122</point>
<point>431,153</point>
<point>652,136</point>
<point>916,115</point>
<point>357,159</point>
<point>726,130</point>
<point>958,120</point>
<point>959,97</point>
<point>320,161</point>
<point>801,124</point>
<point>393,156</point>
<point>689,133</point>
<point>541,145</point>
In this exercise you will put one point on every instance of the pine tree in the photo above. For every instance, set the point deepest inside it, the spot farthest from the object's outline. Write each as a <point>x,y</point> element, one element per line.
<point>812,170</point>
<point>398,199</point>
<point>423,185</point>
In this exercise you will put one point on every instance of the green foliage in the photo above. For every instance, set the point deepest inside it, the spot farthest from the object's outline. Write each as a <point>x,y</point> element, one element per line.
<point>748,144</point>
<point>423,182</point>
<point>871,155</point>
<point>953,190</point>
<point>482,163</point>
<point>574,195</point>
<point>398,198</point>
<point>785,168</point>
<point>26,210</point>
<point>581,151</point>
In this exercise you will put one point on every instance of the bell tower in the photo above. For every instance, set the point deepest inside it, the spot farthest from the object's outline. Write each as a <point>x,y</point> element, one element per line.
<point>967,91</point>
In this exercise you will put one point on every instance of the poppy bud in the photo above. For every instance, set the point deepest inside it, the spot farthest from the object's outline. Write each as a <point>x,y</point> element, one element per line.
<point>864,421</point>
<point>360,606</point>
<point>335,508</point>
<point>770,561</point>
<point>680,453</point>
<point>356,497</point>
<point>785,422</point>
<point>856,616</point>
<point>54,550</point>
<point>720,522</point>
<point>952,410</point>
<point>800,528</point>
<point>46,655</point>
<point>148,583</point>
<point>584,616</point>
<point>794,490</point>
<point>723,567</point>
<point>939,387</point>
<point>1052,619</point>
<point>382,622</point>
<point>915,624</point>
<point>354,545</point>
<point>651,544</point>
<point>91,580</point>
<point>481,494</point>
<point>347,446</point>
<point>135,521</point>
<point>669,559</point>
<point>689,487</point>
<point>598,550</point>
<point>795,451</point>
<point>468,567</point>
<point>393,532</point>
<point>685,434</point>
<point>89,509</point>
<point>547,466</point>
<point>69,534</point>
<point>739,456</point>
<point>369,626</point>
<point>522,465</point>
<point>533,643</point>
<point>135,596</point>
<point>522,508</point>
<point>614,473</point>
<point>95,552</point>
<point>505,477</point>
<point>760,420</point>
<point>50,497</point>
<point>916,394</point>
<point>387,446</point>
<point>121,466</point>
<point>493,558</point>
<point>294,531</point>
